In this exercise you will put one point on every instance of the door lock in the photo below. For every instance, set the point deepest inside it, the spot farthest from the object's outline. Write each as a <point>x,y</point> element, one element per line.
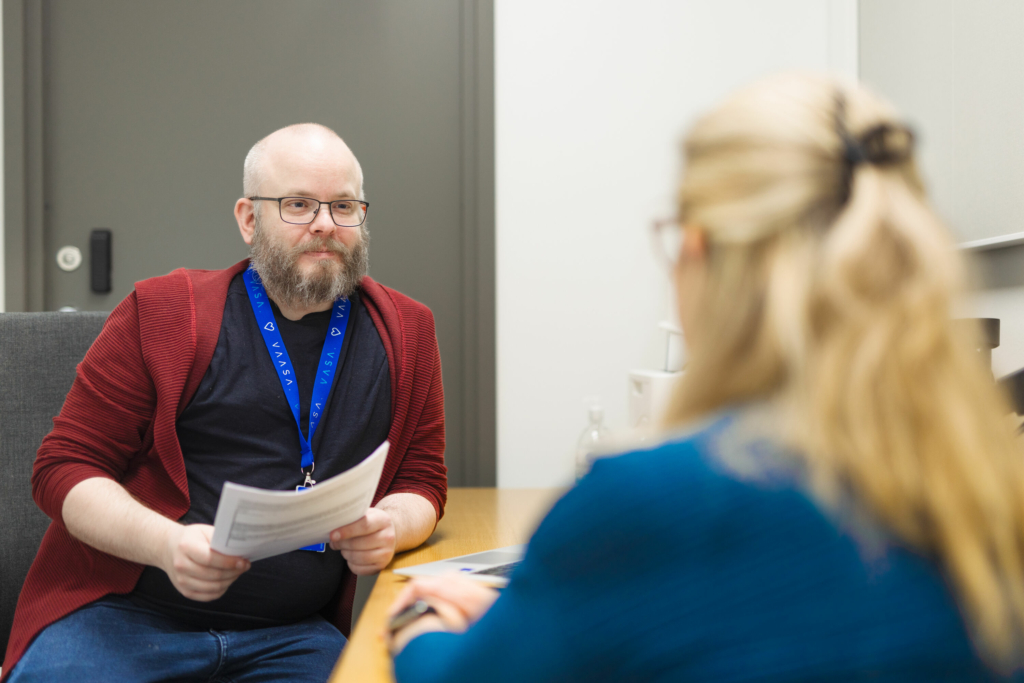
<point>69,258</point>
<point>99,260</point>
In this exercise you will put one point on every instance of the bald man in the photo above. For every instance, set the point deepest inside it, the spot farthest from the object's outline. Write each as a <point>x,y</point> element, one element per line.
<point>187,388</point>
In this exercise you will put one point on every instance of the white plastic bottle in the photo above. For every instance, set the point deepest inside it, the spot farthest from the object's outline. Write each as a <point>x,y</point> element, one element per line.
<point>595,439</point>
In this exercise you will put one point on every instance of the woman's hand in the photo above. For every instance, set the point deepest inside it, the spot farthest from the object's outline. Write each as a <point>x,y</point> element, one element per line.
<point>459,603</point>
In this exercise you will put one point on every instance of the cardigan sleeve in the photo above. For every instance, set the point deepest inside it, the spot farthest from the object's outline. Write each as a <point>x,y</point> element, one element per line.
<point>105,416</point>
<point>422,470</point>
<point>530,633</point>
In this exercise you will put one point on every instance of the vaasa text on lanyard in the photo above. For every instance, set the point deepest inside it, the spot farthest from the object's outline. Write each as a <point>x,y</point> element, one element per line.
<point>283,364</point>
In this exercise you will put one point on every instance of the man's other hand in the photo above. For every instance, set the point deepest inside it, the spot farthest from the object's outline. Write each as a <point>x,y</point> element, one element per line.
<point>198,571</point>
<point>367,544</point>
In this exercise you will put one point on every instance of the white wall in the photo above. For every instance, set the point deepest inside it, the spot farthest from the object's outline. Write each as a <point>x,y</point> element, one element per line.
<point>591,101</point>
<point>955,70</point>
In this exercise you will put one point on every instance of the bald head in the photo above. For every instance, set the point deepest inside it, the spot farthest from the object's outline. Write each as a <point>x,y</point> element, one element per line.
<point>299,149</point>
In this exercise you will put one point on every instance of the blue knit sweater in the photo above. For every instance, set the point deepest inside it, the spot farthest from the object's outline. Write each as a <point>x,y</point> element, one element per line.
<point>666,565</point>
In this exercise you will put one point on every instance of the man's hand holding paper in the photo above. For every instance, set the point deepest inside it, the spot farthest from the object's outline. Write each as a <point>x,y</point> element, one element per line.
<point>256,523</point>
<point>198,571</point>
<point>368,544</point>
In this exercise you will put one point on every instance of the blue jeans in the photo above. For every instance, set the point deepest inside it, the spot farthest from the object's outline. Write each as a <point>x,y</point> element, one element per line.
<point>113,639</point>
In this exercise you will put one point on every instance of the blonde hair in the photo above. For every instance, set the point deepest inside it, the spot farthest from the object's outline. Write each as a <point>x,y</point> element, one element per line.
<point>829,288</point>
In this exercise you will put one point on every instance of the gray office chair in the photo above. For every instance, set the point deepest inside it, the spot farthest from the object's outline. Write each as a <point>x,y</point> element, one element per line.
<point>38,355</point>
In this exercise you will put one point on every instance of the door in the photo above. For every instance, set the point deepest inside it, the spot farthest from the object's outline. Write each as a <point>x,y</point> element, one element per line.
<point>135,117</point>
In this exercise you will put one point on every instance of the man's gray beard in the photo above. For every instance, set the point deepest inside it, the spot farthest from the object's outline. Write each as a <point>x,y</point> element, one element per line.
<point>279,269</point>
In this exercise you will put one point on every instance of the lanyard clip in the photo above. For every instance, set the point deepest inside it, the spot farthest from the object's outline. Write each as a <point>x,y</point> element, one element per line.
<point>309,476</point>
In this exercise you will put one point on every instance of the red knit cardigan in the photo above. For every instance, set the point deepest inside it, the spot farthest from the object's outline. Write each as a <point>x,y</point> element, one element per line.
<point>119,421</point>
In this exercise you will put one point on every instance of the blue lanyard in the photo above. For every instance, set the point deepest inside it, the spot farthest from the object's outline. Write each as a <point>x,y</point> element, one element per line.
<point>283,364</point>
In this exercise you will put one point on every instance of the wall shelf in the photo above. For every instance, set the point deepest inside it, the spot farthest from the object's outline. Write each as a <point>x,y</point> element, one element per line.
<point>989,243</point>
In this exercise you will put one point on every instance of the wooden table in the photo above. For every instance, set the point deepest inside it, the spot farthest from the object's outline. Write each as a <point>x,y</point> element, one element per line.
<point>475,519</point>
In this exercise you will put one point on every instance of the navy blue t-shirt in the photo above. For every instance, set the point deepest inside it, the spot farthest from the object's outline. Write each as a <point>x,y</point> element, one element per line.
<point>239,427</point>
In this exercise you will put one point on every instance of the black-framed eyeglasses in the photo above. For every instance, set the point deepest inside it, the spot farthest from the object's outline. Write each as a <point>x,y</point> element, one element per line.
<point>346,213</point>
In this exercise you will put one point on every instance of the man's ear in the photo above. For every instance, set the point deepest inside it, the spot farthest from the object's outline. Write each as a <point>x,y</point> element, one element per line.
<point>246,218</point>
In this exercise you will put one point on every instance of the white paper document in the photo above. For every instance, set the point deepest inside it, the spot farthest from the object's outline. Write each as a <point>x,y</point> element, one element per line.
<point>256,523</point>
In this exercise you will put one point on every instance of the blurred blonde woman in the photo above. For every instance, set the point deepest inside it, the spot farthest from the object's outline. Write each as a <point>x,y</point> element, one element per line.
<point>843,497</point>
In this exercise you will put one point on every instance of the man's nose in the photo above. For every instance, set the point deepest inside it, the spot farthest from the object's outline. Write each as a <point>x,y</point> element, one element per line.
<point>322,221</point>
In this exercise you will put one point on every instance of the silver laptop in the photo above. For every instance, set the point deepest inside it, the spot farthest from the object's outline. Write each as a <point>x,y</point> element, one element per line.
<point>491,567</point>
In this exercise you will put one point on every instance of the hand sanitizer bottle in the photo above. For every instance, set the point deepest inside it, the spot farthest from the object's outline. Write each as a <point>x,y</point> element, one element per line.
<point>595,439</point>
